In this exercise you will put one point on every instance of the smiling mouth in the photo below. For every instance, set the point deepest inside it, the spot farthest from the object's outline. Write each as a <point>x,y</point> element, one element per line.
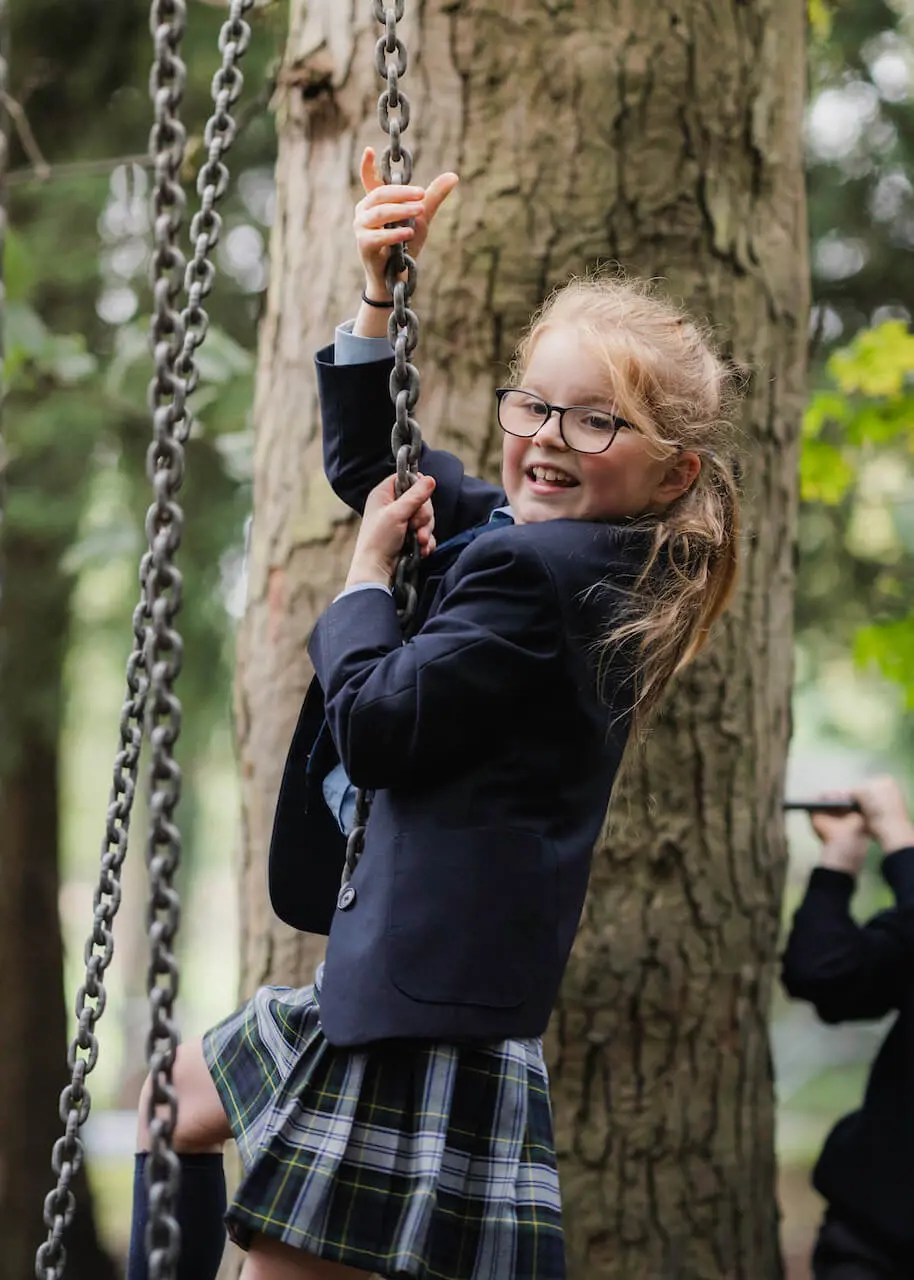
<point>551,476</point>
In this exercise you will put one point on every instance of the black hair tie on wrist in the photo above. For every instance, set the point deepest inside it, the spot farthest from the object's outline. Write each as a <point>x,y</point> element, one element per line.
<point>382,306</point>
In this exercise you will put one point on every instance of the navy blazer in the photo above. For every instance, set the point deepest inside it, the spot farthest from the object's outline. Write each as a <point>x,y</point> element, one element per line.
<point>491,739</point>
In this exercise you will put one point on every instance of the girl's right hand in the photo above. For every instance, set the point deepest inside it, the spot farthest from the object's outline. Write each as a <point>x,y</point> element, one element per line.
<point>885,813</point>
<point>386,204</point>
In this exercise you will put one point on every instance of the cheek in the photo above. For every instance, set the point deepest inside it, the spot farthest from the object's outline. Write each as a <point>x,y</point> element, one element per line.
<point>512,457</point>
<point>618,486</point>
<point>602,476</point>
<point>626,468</point>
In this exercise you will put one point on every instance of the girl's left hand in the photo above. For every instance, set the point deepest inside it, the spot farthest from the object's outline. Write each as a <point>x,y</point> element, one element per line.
<point>385,522</point>
<point>844,837</point>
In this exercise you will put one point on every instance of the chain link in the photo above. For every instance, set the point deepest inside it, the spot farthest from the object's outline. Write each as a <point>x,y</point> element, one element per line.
<point>4,169</point>
<point>157,646</point>
<point>396,166</point>
<point>175,340</point>
<point>75,1100</point>
<point>168,393</point>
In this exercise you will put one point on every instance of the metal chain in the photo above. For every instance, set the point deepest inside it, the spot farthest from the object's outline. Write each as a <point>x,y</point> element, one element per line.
<point>394,112</point>
<point>396,166</point>
<point>162,649</point>
<point>4,170</point>
<point>176,339</point>
<point>75,1101</point>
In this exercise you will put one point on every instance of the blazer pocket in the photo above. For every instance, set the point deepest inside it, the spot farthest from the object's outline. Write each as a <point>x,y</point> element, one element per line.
<point>473,916</point>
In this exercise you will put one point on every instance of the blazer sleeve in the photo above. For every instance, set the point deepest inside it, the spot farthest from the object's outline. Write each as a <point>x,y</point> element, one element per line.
<point>403,712</point>
<point>845,970</point>
<point>357,417</point>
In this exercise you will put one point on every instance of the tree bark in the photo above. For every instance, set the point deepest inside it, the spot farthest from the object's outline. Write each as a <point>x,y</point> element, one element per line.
<point>665,137</point>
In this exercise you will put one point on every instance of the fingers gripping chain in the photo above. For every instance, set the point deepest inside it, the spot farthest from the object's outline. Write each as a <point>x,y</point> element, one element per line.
<point>396,166</point>
<point>155,661</point>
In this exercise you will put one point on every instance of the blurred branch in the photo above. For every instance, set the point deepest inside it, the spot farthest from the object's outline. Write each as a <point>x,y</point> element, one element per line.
<point>40,167</point>
<point>75,169</point>
<point>40,171</point>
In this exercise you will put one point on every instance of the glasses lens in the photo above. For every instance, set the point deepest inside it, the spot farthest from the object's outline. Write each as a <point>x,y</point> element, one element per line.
<point>589,430</point>
<point>521,414</point>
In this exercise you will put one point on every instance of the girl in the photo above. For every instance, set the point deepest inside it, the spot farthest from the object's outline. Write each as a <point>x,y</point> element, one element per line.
<point>394,1118</point>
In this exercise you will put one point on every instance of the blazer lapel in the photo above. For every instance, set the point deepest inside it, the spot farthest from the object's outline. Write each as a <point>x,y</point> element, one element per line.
<point>443,558</point>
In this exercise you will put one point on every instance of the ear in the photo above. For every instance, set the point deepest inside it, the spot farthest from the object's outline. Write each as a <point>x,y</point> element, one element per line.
<point>681,474</point>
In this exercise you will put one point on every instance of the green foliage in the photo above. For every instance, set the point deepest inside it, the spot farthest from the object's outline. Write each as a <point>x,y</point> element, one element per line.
<point>865,412</point>
<point>868,400</point>
<point>890,647</point>
<point>34,356</point>
<point>819,18</point>
<point>826,475</point>
<point>77,365</point>
<point>878,363</point>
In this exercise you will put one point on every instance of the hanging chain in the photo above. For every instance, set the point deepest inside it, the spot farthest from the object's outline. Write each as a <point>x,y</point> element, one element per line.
<point>75,1101</point>
<point>176,339</point>
<point>396,166</point>
<point>162,649</point>
<point>4,170</point>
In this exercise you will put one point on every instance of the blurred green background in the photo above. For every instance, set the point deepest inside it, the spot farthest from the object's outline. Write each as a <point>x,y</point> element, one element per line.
<point>76,368</point>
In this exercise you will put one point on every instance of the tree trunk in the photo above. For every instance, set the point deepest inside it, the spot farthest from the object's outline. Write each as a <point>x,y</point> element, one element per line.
<point>666,137</point>
<point>33,1067</point>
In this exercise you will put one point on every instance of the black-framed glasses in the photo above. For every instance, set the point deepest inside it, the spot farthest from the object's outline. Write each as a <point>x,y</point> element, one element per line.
<point>585,430</point>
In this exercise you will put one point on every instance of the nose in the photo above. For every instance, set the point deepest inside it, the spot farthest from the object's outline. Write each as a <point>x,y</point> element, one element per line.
<point>550,433</point>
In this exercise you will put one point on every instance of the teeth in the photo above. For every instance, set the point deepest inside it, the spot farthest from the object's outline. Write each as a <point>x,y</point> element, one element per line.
<point>548,476</point>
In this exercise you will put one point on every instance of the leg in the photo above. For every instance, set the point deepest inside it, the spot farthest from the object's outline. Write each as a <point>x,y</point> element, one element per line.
<point>201,1131</point>
<point>272,1260</point>
<point>202,1124</point>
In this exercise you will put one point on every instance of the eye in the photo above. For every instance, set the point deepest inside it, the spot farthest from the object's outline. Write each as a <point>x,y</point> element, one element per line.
<point>536,408</point>
<point>599,421</point>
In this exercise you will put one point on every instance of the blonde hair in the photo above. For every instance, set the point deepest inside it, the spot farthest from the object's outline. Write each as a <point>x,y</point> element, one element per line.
<point>668,380</point>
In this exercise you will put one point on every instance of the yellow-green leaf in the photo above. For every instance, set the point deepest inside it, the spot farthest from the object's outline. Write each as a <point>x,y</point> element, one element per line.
<point>825,473</point>
<point>877,362</point>
<point>890,647</point>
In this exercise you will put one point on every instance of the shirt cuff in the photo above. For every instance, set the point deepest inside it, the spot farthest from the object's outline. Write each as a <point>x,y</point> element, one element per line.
<point>362,586</point>
<point>898,869</point>
<point>349,348</point>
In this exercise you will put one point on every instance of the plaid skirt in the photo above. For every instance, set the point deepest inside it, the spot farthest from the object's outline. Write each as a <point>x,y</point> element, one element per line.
<point>404,1159</point>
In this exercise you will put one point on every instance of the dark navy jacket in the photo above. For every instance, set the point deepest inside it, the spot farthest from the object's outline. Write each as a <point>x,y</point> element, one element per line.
<point>489,747</point>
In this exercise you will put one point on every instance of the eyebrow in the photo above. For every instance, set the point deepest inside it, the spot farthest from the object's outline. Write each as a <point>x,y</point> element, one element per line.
<point>586,401</point>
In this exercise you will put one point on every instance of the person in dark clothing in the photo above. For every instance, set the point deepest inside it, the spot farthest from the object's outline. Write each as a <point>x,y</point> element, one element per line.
<point>851,972</point>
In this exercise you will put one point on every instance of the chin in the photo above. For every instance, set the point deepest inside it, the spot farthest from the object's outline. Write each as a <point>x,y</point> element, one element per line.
<point>537,513</point>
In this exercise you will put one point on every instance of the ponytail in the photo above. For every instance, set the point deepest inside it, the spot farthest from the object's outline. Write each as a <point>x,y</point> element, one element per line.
<point>686,585</point>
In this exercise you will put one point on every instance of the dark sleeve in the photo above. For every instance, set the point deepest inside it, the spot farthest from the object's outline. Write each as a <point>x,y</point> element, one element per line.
<point>411,710</point>
<point>846,970</point>
<point>357,417</point>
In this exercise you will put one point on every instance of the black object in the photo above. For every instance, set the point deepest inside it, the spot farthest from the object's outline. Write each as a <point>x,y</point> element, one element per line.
<point>837,807</point>
<point>382,306</point>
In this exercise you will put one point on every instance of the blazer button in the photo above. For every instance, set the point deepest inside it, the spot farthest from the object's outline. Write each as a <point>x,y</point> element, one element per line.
<point>346,897</point>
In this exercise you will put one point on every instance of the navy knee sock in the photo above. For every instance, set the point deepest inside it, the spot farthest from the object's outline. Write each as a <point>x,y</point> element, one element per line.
<point>199,1211</point>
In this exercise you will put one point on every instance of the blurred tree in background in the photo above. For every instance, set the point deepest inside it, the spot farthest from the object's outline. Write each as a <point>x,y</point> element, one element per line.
<point>77,429</point>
